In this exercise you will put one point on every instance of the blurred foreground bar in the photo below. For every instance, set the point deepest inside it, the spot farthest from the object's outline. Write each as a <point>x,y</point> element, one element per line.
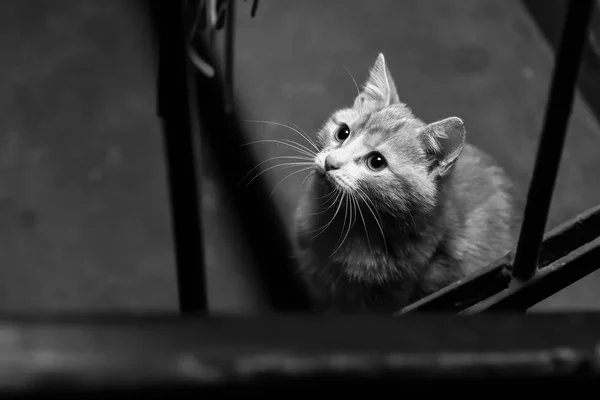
<point>150,354</point>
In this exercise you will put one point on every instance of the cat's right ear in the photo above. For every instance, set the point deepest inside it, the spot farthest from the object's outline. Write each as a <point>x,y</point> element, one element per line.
<point>444,141</point>
<point>380,86</point>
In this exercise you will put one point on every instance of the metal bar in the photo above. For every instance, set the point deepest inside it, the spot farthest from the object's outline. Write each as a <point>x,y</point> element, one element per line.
<point>229,51</point>
<point>549,18</point>
<point>254,8</point>
<point>174,111</point>
<point>39,355</point>
<point>558,111</point>
<point>252,209</point>
<point>546,282</point>
<point>558,243</point>
<point>465,292</point>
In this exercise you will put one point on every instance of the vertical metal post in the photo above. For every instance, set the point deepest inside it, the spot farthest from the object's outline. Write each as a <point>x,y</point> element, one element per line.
<point>558,111</point>
<point>174,109</point>
<point>271,258</point>
<point>229,51</point>
<point>254,8</point>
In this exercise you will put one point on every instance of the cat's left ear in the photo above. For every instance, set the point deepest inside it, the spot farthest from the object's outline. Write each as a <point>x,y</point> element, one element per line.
<point>380,86</point>
<point>444,141</point>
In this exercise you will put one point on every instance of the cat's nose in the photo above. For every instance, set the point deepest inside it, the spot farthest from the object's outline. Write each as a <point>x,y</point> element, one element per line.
<point>331,163</point>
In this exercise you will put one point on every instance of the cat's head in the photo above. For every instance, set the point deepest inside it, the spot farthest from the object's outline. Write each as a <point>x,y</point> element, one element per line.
<point>378,149</point>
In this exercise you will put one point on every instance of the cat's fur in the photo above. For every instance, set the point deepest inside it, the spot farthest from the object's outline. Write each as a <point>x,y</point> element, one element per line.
<point>443,206</point>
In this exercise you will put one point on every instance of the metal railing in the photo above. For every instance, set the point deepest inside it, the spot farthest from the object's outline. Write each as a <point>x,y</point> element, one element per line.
<point>206,104</point>
<point>512,282</point>
<point>492,286</point>
<point>175,356</point>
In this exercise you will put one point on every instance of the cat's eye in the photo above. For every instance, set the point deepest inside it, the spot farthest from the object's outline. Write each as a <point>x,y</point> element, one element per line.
<point>342,132</point>
<point>376,162</point>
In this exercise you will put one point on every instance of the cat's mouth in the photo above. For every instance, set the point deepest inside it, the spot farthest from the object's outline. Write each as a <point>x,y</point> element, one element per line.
<point>324,177</point>
<point>329,180</point>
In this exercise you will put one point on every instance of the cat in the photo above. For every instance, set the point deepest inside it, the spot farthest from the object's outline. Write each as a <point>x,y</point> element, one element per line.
<point>396,209</point>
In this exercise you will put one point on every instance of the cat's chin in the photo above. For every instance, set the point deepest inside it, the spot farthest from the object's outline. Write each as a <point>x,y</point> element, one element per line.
<point>326,181</point>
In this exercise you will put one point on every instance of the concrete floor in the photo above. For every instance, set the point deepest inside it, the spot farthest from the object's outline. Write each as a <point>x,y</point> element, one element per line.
<point>83,205</point>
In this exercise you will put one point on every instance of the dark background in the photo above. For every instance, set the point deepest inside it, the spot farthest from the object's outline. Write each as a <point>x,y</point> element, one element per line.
<point>84,218</point>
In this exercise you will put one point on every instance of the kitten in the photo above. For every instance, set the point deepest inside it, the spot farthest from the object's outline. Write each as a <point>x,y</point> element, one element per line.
<point>396,209</point>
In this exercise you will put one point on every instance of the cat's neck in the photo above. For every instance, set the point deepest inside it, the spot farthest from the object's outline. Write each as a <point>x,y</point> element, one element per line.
<point>363,237</point>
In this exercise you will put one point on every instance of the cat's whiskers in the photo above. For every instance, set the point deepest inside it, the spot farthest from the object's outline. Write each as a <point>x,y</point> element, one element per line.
<point>307,136</point>
<point>335,194</point>
<point>307,159</point>
<point>287,176</point>
<point>363,221</point>
<point>324,228</point>
<point>282,165</point>
<point>328,195</point>
<point>305,149</point>
<point>372,204</point>
<point>353,80</point>
<point>342,181</point>
<point>345,219</point>
<point>328,198</point>
<point>351,207</point>
<point>366,200</point>
<point>287,143</point>
<point>304,135</point>
<point>412,218</point>
<point>307,176</point>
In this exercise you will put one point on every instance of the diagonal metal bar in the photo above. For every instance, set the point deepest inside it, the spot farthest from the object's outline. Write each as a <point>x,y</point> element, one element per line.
<point>546,281</point>
<point>558,111</point>
<point>558,243</point>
